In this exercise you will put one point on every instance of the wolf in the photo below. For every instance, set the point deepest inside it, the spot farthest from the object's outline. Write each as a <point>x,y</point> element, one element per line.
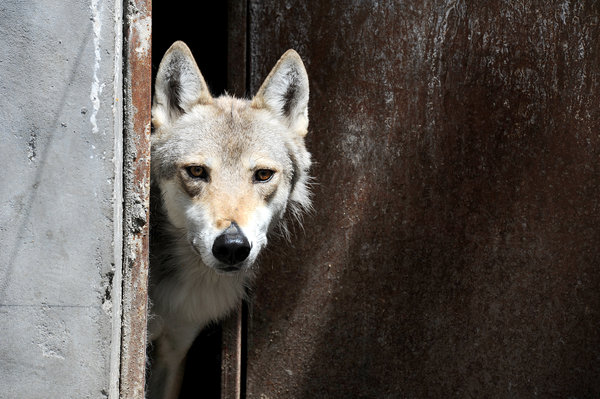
<point>224,173</point>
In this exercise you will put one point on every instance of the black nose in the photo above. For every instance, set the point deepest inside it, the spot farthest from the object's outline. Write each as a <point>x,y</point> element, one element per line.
<point>232,246</point>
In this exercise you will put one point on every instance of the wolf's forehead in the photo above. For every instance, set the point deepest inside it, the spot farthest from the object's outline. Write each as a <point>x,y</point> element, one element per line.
<point>228,135</point>
<point>230,125</point>
<point>231,152</point>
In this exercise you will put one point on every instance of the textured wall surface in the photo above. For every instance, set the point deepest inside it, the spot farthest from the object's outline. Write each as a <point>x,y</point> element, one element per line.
<point>454,248</point>
<point>60,190</point>
<point>136,181</point>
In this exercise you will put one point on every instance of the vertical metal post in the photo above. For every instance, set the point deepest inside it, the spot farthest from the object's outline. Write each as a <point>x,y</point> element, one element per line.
<point>137,123</point>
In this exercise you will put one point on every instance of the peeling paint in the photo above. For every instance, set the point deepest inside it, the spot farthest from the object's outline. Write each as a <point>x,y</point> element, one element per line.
<point>97,87</point>
<point>144,28</point>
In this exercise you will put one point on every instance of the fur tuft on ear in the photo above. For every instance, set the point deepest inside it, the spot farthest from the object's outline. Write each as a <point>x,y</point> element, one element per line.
<point>179,85</point>
<point>285,92</point>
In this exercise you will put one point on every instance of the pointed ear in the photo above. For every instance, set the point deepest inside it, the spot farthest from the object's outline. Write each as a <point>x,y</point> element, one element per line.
<point>285,92</point>
<point>179,85</point>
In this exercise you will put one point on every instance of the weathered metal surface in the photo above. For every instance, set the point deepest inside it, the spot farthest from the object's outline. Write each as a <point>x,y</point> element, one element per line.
<point>454,248</point>
<point>231,359</point>
<point>137,96</point>
<point>237,16</point>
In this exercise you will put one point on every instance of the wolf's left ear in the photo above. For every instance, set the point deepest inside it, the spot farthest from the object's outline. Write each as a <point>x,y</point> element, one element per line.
<point>285,92</point>
<point>179,85</point>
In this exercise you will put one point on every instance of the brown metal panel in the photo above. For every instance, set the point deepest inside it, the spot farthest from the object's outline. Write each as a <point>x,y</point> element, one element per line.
<point>137,97</point>
<point>231,357</point>
<point>236,47</point>
<point>454,248</point>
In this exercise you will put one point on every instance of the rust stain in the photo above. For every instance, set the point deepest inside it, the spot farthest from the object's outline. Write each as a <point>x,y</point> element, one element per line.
<point>454,250</point>
<point>137,186</point>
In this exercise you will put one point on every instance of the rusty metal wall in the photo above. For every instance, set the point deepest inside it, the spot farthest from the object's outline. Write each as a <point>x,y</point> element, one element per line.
<point>136,181</point>
<point>454,248</point>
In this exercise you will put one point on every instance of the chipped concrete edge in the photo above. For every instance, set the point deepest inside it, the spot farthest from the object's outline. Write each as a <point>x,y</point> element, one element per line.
<point>117,278</point>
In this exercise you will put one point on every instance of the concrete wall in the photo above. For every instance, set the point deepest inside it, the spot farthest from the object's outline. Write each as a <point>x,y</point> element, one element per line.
<point>60,196</point>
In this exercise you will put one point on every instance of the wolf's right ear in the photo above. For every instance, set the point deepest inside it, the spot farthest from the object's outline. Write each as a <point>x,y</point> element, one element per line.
<point>179,85</point>
<point>285,92</point>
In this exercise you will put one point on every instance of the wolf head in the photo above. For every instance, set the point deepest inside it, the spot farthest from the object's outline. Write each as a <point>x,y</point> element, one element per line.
<point>228,169</point>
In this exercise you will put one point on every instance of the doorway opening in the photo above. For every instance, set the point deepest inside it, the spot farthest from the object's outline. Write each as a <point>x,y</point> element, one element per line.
<point>204,30</point>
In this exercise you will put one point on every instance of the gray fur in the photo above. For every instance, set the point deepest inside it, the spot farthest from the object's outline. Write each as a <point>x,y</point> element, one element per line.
<point>231,138</point>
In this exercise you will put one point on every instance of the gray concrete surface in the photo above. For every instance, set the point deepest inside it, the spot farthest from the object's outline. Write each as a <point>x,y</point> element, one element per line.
<point>60,194</point>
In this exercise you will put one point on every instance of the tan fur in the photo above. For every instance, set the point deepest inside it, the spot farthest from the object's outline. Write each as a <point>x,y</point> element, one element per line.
<point>227,208</point>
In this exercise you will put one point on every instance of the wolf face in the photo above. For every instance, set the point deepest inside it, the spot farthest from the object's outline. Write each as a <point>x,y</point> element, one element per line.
<point>224,173</point>
<point>228,169</point>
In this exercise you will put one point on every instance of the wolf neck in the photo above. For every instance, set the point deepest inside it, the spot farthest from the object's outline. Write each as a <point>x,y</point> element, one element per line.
<point>184,283</point>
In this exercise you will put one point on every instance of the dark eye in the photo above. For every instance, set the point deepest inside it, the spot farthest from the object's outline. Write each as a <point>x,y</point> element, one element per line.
<point>263,175</point>
<point>197,172</point>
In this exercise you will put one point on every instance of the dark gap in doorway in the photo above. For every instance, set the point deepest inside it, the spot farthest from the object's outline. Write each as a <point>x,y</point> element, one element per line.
<point>244,349</point>
<point>203,28</point>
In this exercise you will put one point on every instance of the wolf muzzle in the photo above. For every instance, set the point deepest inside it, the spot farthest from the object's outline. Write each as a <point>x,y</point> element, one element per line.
<point>231,247</point>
